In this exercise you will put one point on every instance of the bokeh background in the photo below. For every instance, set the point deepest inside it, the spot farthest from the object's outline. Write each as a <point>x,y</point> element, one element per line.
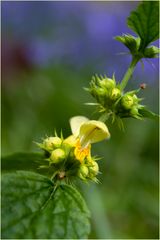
<point>50,50</point>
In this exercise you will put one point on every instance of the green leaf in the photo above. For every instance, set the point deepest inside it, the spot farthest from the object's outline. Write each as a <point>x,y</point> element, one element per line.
<point>145,22</point>
<point>144,112</point>
<point>34,208</point>
<point>22,161</point>
<point>130,42</point>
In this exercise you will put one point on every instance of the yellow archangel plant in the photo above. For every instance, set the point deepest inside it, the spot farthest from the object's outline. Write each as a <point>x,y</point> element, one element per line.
<point>72,155</point>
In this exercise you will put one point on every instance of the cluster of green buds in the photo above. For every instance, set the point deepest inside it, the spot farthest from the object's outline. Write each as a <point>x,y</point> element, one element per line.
<point>129,106</point>
<point>112,101</point>
<point>71,157</point>
<point>105,91</point>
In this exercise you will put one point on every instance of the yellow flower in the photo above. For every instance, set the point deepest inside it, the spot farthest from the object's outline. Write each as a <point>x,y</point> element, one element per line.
<point>86,132</point>
<point>81,153</point>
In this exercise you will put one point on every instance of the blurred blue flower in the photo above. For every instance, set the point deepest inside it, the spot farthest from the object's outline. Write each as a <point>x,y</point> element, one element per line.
<point>73,33</point>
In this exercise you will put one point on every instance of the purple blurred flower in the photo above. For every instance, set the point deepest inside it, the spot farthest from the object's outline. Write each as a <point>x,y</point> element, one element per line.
<point>72,33</point>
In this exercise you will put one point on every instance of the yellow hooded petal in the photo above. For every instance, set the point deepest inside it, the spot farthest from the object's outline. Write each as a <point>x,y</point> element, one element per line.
<point>76,122</point>
<point>93,131</point>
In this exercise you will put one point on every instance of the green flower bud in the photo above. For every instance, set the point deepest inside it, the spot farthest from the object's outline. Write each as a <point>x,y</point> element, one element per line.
<point>98,92</point>
<point>83,171</point>
<point>52,142</point>
<point>151,52</point>
<point>101,92</point>
<point>127,101</point>
<point>107,83</point>
<point>134,111</point>
<point>135,99</point>
<point>68,144</point>
<point>70,141</point>
<point>94,168</point>
<point>115,94</point>
<point>57,156</point>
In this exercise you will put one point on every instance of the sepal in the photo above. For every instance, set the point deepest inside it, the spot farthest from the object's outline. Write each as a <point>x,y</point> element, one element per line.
<point>147,113</point>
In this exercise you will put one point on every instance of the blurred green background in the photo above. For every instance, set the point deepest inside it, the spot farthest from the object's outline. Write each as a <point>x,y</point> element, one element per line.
<point>50,50</point>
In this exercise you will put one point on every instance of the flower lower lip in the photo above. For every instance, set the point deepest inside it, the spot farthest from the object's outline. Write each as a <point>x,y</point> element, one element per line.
<point>83,140</point>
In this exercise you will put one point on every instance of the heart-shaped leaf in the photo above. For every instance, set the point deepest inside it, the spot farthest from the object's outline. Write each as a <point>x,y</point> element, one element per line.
<point>22,161</point>
<point>145,22</point>
<point>33,207</point>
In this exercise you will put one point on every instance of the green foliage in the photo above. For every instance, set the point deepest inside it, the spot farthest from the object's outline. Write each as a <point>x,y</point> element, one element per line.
<point>151,52</point>
<point>148,114</point>
<point>22,161</point>
<point>145,22</point>
<point>33,207</point>
<point>116,104</point>
<point>132,43</point>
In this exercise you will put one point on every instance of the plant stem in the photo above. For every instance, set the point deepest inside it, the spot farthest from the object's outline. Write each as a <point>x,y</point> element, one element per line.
<point>129,72</point>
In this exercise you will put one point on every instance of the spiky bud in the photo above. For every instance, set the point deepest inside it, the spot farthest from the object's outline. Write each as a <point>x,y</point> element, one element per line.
<point>127,101</point>
<point>94,168</point>
<point>83,171</point>
<point>115,94</point>
<point>57,156</point>
<point>51,143</point>
<point>70,141</point>
<point>107,83</point>
<point>134,111</point>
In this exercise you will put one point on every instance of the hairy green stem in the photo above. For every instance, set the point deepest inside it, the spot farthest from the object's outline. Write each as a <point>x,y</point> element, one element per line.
<point>129,72</point>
